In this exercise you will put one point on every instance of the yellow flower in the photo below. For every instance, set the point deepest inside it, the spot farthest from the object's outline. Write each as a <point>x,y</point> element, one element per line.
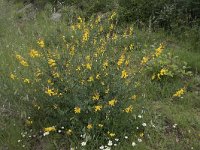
<point>153,77</point>
<point>121,60</point>
<point>89,126</point>
<point>97,108</point>
<point>105,64</point>
<point>159,50</point>
<point>56,74</point>
<point>19,57</point>
<point>134,97</point>
<point>96,96</point>
<point>129,109</point>
<point>77,110</point>
<point>12,76</point>
<point>85,35</point>
<point>91,78</point>
<point>89,66</point>
<point>69,132</point>
<point>49,129</point>
<point>112,134</point>
<point>112,102</point>
<point>80,19</point>
<point>29,122</point>
<point>179,93</point>
<point>40,42</point>
<point>98,76</point>
<point>24,63</point>
<point>52,62</point>
<point>163,71</point>
<point>107,90</point>
<point>87,58</point>
<point>21,60</point>
<point>144,60</point>
<point>51,92</point>
<point>124,74</point>
<point>141,134</point>
<point>26,81</point>
<point>127,62</point>
<point>33,53</point>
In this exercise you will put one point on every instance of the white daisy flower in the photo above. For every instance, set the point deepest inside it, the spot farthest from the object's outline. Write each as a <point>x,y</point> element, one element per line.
<point>117,140</point>
<point>110,143</point>
<point>101,147</point>
<point>133,144</point>
<point>126,137</point>
<point>144,124</point>
<point>83,143</point>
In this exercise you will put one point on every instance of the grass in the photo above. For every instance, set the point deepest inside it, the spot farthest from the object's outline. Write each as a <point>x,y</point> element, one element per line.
<point>161,111</point>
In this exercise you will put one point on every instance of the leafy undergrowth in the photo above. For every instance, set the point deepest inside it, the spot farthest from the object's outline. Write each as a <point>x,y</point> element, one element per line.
<point>93,85</point>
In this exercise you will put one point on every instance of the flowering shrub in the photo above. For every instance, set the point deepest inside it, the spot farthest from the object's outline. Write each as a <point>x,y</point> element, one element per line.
<point>83,87</point>
<point>162,64</point>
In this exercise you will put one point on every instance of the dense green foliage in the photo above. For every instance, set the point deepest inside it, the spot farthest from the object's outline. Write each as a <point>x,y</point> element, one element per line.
<point>157,13</point>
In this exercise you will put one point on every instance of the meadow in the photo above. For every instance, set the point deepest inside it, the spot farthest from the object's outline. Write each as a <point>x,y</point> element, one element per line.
<point>93,83</point>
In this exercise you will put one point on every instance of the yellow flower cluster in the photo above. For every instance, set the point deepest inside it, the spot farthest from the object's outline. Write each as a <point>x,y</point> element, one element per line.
<point>129,109</point>
<point>40,42</point>
<point>96,96</point>
<point>51,92</point>
<point>179,93</point>
<point>22,61</point>
<point>98,108</point>
<point>112,102</point>
<point>159,50</point>
<point>85,35</point>
<point>163,72</point>
<point>33,53</point>
<point>50,129</point>
<point>77,110</point>
<point>144,60</point>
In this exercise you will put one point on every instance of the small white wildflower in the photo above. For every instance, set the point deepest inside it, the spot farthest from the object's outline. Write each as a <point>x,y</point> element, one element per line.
<point>137,128</point>
<point>174,126</point>
<point>19,141</point>
<point>59,131</point>
<point>110,143</point>
<point>62,127</point>
<point>83,143</point>
<point>144,124</point>
<point>133,144</point>
<point>115,144</point>
<point>117,140</point>
<point>45,133</point>
<point>139,116</point>
<point>126,137</point>
<point>23,145</point>
<point>139,140</point>
<point>101,147</point>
